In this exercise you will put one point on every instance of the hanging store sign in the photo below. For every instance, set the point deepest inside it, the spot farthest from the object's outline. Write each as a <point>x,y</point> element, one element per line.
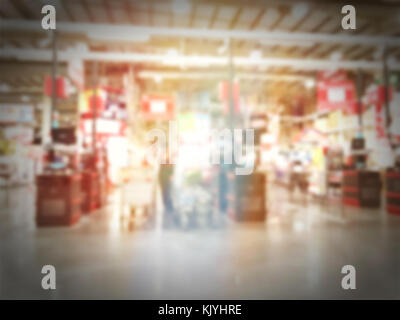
<point>87,101</point>
<point>103,127</point>
<point>158,107</point>
<point>76,74</point>
<point>375,95</point>
<point>20,134</point>
<point>338,95</point>
<point>332,75</point>
<point>380,123</point>
<point>62,87</point>
<point>258,120</point>
<point>16,113</point>
<point>224,90</point>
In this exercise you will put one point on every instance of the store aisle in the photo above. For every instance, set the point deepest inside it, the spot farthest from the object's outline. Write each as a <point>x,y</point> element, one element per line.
<point>297,253</point>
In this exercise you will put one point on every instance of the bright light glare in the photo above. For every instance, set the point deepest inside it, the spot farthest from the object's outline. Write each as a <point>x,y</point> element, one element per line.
<point>158,78</point>
<point>256,55</point>
<point>310,83</point>
<point>172,52</point>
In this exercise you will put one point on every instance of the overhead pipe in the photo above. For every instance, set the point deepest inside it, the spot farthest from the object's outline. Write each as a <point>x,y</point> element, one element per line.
<point>125,32</point>
<point>194,60</point>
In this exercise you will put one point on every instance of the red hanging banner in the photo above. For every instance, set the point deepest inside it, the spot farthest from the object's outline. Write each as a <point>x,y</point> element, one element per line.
<point>376,96</point>
<point>61,87</point>
<point>338,95</point>
<point>158,107</point>
<point>224,95</point>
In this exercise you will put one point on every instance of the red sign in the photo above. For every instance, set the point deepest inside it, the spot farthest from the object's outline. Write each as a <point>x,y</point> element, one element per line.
<point>60,87</point>
<point>76,73</point>
<point>224,90</point>
<point>332,76</point>
<point>380,123</point>
<point>336,95</point>
<point>158,107</point>
<point>376,96</point>
<point>88,100</point>
<point>104,127</point>
<point>352,107</point>
<point>224,95</point>
<point>227,107</point>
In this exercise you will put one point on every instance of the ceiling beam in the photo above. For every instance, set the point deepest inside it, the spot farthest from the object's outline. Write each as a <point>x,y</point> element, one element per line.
<point>322,23</point>
<point>194,60</point>
<point>129,10</point>
<point>15,69</point>
<point>64,7</point>
<point>109,11</point>
<point>22,9</point>
<point>257,19</point>
<point>222,75</point>
<point>171,18</point>
<point>150,12</point>
<point>193,14</point>
<point>235,18</point>
<point>283,12</point>
<point>213,17</point>
<point>299,23</point>
<point>315,29</point>
<point>314,48</point>
<point>364,54</point>
<point>254,35</point>
<point>85,5</point>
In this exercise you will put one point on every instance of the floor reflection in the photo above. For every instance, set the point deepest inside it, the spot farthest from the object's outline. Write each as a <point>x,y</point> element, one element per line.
<point>297,253</point>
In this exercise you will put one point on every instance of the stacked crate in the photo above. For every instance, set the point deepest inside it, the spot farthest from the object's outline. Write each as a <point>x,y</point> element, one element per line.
<point>361,188</point>
<point>393,192</point>
<point>58,199</point>
<point>103,189</point>
<point>246,197</point>
<point>90,191</point>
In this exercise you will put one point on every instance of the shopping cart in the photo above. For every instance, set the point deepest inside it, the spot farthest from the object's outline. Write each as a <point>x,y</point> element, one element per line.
<point>138,197</point>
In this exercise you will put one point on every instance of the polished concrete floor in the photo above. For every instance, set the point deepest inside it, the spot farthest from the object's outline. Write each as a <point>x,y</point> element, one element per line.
<point>297,254</point>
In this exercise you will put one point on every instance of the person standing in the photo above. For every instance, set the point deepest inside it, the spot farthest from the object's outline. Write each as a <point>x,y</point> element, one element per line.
<point>165,175</point>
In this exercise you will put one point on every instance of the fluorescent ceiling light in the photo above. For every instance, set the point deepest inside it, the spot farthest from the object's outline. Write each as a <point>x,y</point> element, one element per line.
<point>221,49</point>
<point>158,78</point>
<point>172,52</point>
<point>221,75</point>
<point>135,57</point>
<point>120,36</point>
<point>286,43</point>
<point>256,55</point>
<point>309,83</point>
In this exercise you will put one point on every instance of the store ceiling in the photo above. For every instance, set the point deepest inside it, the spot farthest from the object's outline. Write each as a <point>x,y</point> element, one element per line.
<point>180,25</point>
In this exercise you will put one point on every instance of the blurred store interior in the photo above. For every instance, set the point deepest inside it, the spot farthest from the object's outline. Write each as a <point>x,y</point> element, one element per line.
<point>107,128</point>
